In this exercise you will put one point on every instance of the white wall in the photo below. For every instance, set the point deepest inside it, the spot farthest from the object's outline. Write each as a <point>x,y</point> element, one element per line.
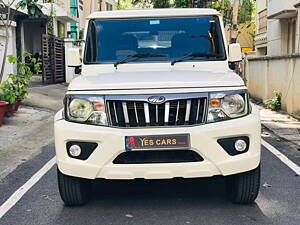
<point>261,5</point>
<point>9,68</point>
<point>274,34</point>
<point>265,75</point>
<point>278,36</point>
<point>298,33</point>
<point>275,6</point>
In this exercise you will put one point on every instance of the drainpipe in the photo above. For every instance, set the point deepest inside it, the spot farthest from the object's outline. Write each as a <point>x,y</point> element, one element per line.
<point>100,5</point>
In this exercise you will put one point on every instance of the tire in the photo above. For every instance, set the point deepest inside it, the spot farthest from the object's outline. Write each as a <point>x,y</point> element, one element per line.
<point>73,191</point>
<point>243,188</point>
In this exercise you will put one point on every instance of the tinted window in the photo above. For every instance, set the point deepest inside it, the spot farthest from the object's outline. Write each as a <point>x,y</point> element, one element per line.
<point>111,40</point>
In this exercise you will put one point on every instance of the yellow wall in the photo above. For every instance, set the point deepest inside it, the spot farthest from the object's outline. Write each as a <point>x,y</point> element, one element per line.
<point>244,38</point>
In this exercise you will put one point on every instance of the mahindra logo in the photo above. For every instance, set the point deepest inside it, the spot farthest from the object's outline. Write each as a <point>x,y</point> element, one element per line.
<point>156,99</point>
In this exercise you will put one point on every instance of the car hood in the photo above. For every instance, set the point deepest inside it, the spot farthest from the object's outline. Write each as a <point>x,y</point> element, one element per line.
<point>155,80</point>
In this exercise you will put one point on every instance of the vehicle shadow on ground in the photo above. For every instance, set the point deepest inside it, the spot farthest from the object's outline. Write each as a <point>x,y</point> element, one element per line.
<point>177,189</point>
<point>176,201</point>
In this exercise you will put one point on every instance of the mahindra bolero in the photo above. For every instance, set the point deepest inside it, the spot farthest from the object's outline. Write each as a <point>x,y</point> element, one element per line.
<point>157,99</point>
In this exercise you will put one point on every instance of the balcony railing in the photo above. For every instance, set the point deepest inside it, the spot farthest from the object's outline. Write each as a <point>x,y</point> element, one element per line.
<point>61,3</point>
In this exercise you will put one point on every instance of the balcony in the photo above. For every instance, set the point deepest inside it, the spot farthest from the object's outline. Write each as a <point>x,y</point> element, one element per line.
<point>61,10</point>
<point>60,13</point>
<point>261,40</point>
<point>282,9</point>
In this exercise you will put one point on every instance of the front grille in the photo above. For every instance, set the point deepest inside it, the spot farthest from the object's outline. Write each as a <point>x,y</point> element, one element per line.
<point>140,113</point>
<point>158,156</point>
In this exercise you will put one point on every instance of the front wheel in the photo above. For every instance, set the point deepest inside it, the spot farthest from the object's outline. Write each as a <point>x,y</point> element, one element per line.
<point>74,191</point>
<point>243,188</point>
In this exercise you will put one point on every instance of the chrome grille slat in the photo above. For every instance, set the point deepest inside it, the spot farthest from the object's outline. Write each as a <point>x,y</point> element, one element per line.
<point>147,117</point>
<point>156,113</point>
<point>204,110</point>
<point>136,114</point>
<point>167,112</point>
<point>125,111</point>
<point>140,113</point>
<point>115,111</point>
<point>198,110</point>
<point>188,111</point>
<point>177,112</point>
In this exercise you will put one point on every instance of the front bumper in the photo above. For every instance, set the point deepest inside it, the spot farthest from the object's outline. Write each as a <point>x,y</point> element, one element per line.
<point>203,140</point>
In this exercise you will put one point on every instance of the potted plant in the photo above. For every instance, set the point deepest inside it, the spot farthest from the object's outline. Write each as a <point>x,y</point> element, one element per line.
<point>8,95</point>
<point>20,87</point>
<point>3,106</point>
<point>20,81</point>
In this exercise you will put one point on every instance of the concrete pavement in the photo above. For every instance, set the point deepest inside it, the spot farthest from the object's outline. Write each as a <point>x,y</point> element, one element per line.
<point>281,124</point>
<point>24,135</point>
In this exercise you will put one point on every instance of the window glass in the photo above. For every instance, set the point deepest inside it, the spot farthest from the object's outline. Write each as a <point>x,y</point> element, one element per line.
<point>111,40</point>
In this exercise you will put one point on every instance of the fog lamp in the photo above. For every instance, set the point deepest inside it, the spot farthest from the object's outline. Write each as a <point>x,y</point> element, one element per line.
<point>75,150</point>
<point>240,145</point>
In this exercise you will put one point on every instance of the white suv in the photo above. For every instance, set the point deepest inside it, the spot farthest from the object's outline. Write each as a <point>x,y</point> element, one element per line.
<point>157,100</point>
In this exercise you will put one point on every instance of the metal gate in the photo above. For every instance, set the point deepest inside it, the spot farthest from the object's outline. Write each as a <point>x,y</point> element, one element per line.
<point>53,55</point>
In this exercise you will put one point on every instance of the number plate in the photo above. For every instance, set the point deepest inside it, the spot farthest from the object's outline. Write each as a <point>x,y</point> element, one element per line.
<point>176,141</point>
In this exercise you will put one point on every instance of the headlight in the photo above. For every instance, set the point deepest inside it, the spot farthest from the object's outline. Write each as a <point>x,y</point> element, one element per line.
<point>227,105</point>
<point>80,109</point>
<point>85,109</point>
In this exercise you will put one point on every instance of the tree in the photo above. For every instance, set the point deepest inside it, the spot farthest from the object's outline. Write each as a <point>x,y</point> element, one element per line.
<point>181,4</point>
<point>154,3</point>
<point>161,4</point>
<point>234,24</point>
<point>123,4</point>
<point>224,6</point>
<point>246,11</point>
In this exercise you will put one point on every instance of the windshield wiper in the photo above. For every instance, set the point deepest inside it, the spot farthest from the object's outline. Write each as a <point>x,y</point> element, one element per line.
<point>139,55</point>
<point>193,55</point>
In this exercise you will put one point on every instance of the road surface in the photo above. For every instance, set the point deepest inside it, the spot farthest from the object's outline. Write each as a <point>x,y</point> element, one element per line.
<point>158,202</point>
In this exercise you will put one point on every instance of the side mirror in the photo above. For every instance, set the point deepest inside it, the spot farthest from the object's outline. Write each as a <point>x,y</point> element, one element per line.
<point>73,58</point>
<point>235,53</point>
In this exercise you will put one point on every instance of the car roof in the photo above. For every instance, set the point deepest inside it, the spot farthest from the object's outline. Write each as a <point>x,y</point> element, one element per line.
<point>148,13</point>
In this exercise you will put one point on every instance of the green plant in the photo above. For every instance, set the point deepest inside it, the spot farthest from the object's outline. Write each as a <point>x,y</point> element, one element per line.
<point>20,81</point>
<point>34,9</point>
<point>7,92</point>
<point>275,103</point>
<point>81,34</point>
<point>20,86</point>
<point>52,16</point>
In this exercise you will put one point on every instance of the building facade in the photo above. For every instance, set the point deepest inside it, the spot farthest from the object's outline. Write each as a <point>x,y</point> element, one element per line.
<point>25,33</point>
<point>91,6</point>
<point>278,27</point>
<point>276,65</point>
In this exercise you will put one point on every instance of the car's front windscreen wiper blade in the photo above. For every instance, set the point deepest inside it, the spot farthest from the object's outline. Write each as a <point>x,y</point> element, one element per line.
<point>139,55</point>
<point>193,55</point>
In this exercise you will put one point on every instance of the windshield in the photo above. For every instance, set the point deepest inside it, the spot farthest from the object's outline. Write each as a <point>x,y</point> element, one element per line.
<point>111,40</point>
